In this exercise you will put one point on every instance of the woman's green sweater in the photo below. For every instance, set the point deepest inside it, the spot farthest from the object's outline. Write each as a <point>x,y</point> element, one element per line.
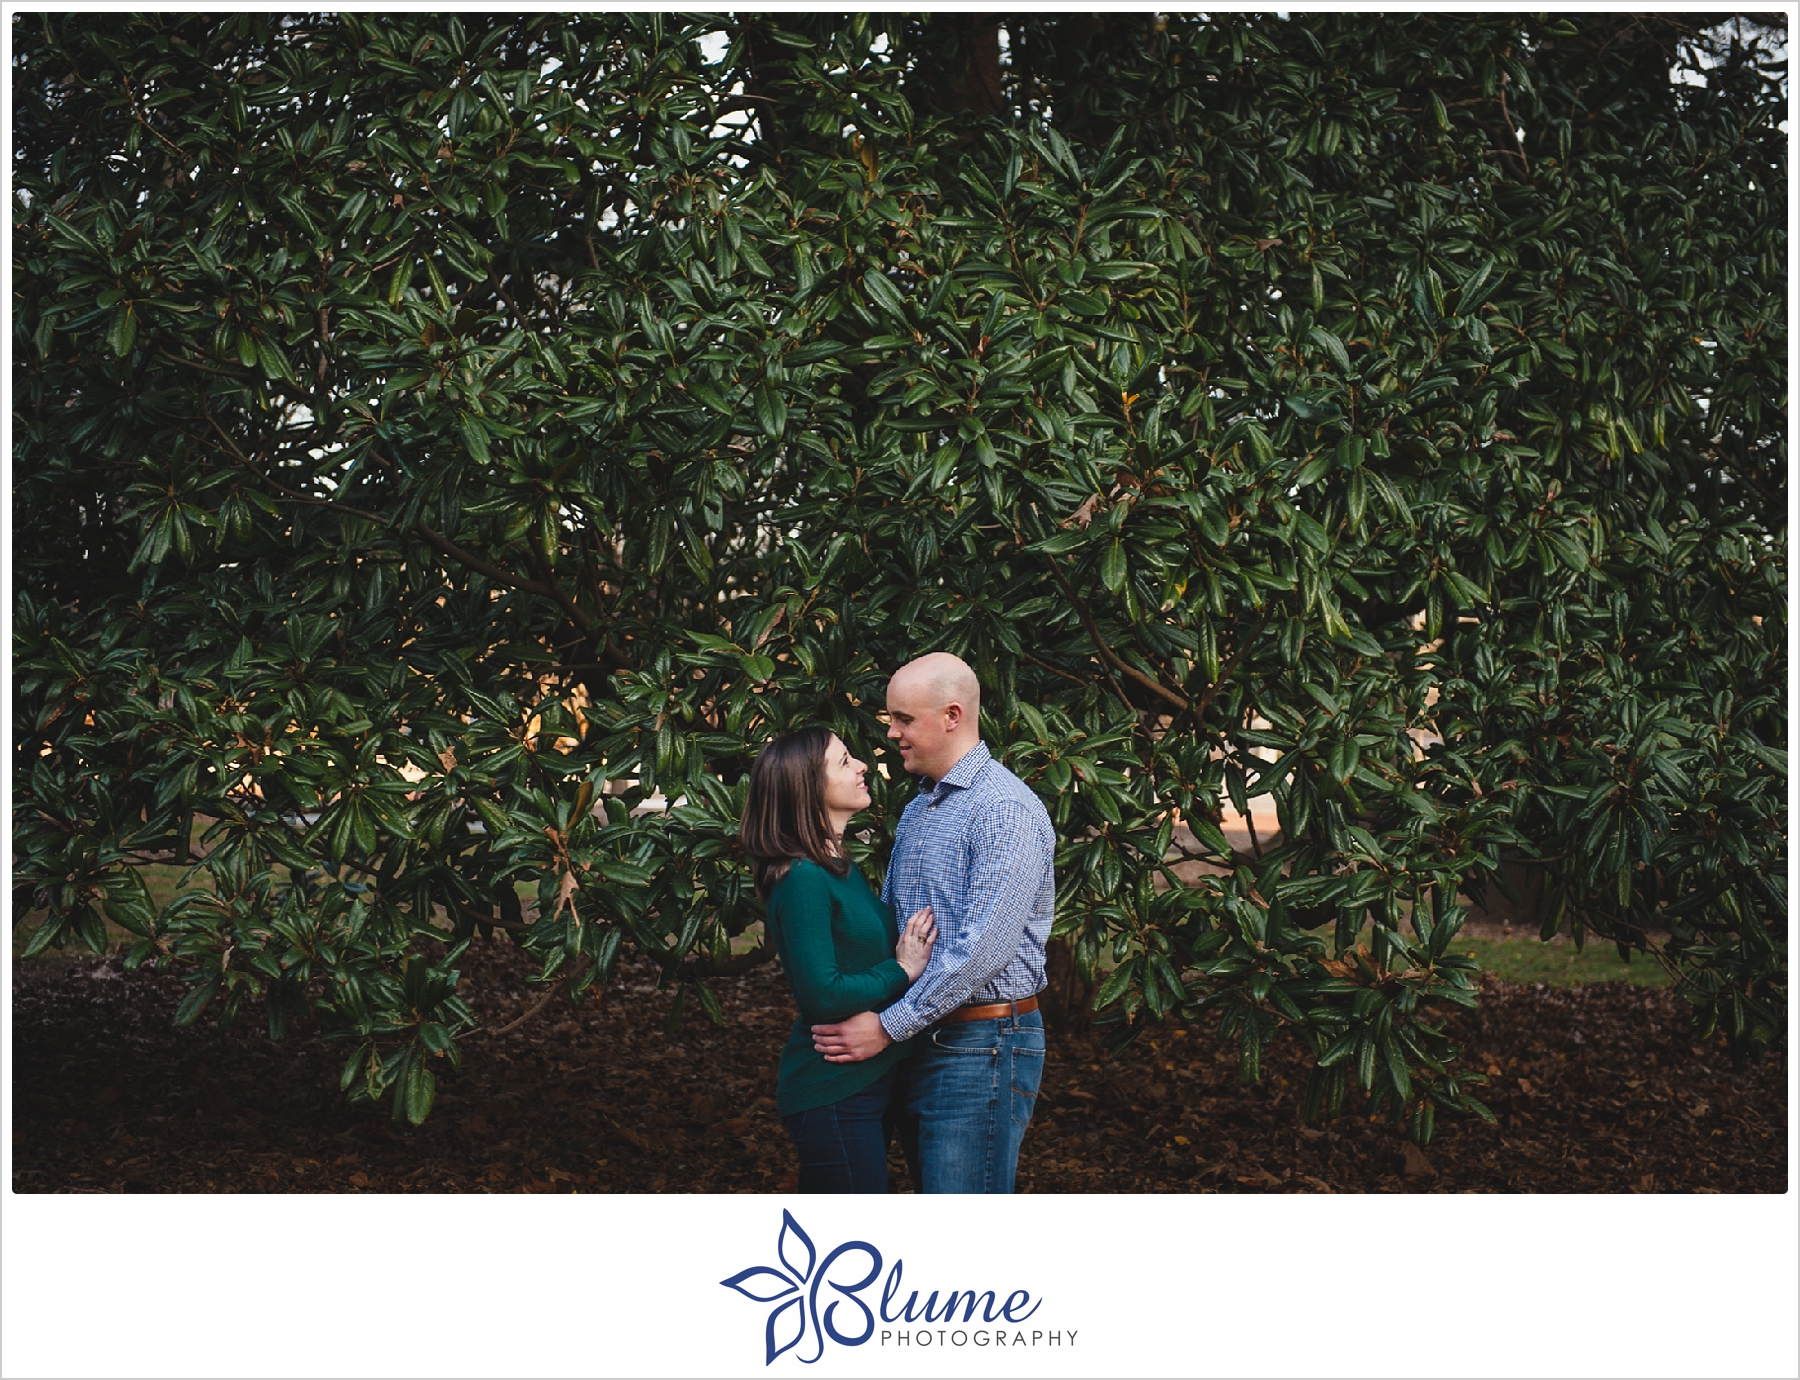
<point>836,941</point>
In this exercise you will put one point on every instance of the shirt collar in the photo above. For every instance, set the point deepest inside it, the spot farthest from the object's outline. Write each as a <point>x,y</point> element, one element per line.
<point>963,774</point>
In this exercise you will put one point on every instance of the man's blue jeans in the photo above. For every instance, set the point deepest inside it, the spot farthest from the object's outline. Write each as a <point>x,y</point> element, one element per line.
<point>843,1145</point>
<point>964,1099</point>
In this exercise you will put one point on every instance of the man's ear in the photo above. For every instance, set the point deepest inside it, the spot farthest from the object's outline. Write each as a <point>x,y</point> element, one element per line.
<point>953,716</point>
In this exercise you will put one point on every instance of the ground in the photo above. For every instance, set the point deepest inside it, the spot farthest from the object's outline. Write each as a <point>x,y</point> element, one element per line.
<point>1597,1088</point>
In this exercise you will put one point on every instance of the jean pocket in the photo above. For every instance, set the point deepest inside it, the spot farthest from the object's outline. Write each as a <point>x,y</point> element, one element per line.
<point>1027,1078</point>
<point>1027,1069</point>
<point>965,1037</point>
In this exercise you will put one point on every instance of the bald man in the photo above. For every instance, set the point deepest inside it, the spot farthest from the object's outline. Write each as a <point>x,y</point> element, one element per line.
<point>976,846</point>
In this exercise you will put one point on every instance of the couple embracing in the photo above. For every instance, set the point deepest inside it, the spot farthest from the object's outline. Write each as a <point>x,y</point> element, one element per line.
<point>928,1031</point>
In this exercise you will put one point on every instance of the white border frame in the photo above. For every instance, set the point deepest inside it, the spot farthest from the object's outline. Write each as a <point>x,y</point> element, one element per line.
<point>1600,1285</point>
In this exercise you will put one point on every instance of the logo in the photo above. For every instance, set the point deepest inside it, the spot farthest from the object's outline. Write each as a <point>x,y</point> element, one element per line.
<point>797,1288</point>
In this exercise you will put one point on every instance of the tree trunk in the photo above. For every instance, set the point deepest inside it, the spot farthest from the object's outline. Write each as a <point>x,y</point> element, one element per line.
<point>958,70</point>
<point>1066,62</point>
<point>1067,999</point>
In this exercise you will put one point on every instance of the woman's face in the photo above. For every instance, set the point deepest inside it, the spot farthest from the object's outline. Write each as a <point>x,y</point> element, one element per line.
<point>845,792</point>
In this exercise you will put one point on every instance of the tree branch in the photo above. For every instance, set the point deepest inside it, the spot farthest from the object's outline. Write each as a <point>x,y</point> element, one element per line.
<point>1053,670</point>
<point>1227,666</point>
<point>144,120</point>
<point>548,579</point>
<point>518,316</point>
<point>432,537</point>
<point>616,660</point>
<point>536,1006</point>
<point>528,1013</point>
<point>479,918</point>
<point>449,548</point>
<point>196,364</point>
<point>736,965</point>
<point>289,496</point>
<point>1155,687</point>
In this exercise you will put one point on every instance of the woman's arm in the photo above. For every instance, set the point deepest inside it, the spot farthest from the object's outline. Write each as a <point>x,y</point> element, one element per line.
<point>823,989</point>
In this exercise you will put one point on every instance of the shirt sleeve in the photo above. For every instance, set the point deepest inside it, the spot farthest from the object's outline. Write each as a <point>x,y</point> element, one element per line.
<point>887,878</point>
<point>1007,859</point>
<point>825,991</point>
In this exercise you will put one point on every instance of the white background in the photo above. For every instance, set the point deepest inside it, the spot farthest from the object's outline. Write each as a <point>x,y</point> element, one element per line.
<point>1195,1286</point>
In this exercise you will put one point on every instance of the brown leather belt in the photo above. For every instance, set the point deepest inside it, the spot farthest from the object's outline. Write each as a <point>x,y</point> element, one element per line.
<point>993,1011</point>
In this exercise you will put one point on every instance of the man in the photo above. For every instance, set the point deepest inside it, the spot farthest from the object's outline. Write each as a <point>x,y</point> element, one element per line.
<point>977,847</point>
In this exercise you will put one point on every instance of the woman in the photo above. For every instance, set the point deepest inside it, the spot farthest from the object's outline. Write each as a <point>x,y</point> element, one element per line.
<point>840,947</point>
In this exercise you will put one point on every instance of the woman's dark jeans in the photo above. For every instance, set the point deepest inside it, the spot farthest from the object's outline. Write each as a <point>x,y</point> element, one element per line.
<point>843,1145</point>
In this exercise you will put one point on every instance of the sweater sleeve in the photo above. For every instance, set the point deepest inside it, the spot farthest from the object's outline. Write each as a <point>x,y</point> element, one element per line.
<point>825,991</point>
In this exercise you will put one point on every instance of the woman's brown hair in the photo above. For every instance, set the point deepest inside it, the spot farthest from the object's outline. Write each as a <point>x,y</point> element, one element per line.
<point>784,809</point>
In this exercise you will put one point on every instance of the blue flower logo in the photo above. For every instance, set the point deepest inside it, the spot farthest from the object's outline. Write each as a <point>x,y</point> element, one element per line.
<point>794,1289</point>
<point>766,1284</point>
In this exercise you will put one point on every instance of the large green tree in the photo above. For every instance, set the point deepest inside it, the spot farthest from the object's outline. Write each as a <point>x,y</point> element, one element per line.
<point>439,438</point>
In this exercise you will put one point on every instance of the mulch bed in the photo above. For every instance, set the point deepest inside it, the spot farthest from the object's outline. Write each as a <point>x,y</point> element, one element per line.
<point>1597,1089</point>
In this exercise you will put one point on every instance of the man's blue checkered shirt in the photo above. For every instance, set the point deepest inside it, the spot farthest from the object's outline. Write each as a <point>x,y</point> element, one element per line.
<point>977,847</point>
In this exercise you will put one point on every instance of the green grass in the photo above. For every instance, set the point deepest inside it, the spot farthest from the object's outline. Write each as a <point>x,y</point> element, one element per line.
<point>161,879</point>
<point>1526,958</point>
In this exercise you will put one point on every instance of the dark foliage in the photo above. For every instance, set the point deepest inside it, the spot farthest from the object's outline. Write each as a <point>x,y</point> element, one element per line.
<point>440,438</point>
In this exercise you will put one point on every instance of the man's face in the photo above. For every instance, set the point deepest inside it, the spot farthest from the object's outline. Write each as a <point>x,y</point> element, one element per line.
<point>920,727</point>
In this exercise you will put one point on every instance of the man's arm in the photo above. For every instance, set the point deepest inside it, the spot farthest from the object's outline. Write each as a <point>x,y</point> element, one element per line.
<point>1009,857</point>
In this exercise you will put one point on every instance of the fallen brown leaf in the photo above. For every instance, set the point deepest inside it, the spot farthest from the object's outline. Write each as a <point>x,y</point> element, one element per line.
<point>561,1090</point>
